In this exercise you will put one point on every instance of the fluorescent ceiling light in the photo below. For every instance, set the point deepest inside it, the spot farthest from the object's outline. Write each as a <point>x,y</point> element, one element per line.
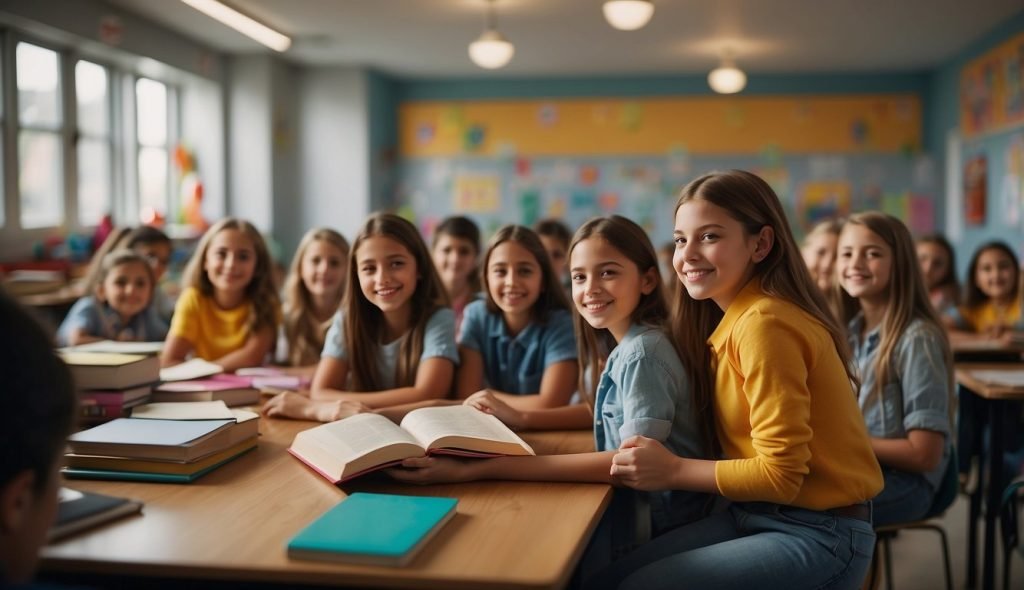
<point>242,23</point>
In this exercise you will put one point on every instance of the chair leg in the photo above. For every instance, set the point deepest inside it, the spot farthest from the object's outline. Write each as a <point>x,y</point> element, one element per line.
<point>945,557</point>
<point>888,565</point>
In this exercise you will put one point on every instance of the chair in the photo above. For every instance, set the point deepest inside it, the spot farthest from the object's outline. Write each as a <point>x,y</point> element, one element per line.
<point>944,498</point>
<point>1010,525</point>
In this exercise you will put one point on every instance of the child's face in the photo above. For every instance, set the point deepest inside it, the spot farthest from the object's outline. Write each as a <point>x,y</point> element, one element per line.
<point>230,261</point>
<point>387,273</point>
<point>714,256</point>
<point>819,254</point>
<point>865,263</point>
<point>556,252</point>
<point>995,274</point>
<point>323,269</point>
<point>607,286</point>
<point>158,255</point>
<point>934,263</point>
<point>454,258</point>
<point>514,278</point>
<point>127,288</point>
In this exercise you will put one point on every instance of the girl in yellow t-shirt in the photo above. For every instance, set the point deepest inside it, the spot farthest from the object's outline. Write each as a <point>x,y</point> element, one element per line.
<point>229,310</point>
<point>992,306</point>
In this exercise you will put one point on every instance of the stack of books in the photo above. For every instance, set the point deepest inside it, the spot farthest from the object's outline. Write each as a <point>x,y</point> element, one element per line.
<point>176,443</point>
<point>110,384</point>
<point>233,390</point>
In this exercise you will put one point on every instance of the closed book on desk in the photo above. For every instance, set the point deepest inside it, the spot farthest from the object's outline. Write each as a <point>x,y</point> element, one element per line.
<point>146,348</point>
<point>184,476</point>
<point>100,370</point>
<point>366,442</point>
<point>120,464</point>
<point>373,529</point>
<point>231,389</point>
<point>171,440</point>
<point>81,510</point>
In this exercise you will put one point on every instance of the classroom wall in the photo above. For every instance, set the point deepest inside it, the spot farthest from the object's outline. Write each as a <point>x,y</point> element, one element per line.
<point>1003,150</point>
<point>251,173</point>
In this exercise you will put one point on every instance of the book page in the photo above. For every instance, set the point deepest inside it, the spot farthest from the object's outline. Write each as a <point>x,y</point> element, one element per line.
<point>190,369</point>
<point>430,425</point>
<point>1001,377</point>
<point>354,444</point>
<point>119,347</point>
<point>215,410</point>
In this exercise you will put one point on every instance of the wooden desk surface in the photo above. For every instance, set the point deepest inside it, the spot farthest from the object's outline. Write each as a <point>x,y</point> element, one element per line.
<point>233,524</point>
<point>966,377</point>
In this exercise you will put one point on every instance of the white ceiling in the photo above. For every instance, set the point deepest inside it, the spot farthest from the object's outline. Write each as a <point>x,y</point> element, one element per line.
<point>428,38</point>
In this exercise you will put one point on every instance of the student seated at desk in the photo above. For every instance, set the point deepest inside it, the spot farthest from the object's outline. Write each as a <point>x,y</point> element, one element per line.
<point>642,389</point>
<point>229,310</point>
<point>38,401</point>
<point>992,306</point>
<point>556,237</point>
<point>903,357</point>
<point>819,252</point>
<point>938,265</point>
<point>393,343</point>
<point>312,295</point>
<point>517,345</point>
<point>455,249</point>
<point>120,306</point>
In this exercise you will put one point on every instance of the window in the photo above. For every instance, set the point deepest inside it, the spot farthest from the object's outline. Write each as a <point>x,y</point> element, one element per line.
<point>92,92</point>
<point>40,154</point>
<point>154,153</point>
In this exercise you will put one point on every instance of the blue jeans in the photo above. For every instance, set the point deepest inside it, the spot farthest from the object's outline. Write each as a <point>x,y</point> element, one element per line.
<point>750,545</point>
<point>906,497</point>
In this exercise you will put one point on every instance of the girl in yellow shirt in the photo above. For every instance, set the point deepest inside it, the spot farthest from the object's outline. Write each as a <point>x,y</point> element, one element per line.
<point>229,310</point>
<point>992,306</point>
<point>795,459</point>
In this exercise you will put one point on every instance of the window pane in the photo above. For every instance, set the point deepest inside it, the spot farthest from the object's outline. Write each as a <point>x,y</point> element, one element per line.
<point>40,179</point>
<point>38,86</point>
<point>93,180</point>
<point>151,98</point>
<point>91,91</point>
<point>152,179</point>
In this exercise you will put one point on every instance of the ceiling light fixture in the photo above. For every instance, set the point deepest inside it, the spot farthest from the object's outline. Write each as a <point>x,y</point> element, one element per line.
<point>491,50</point>
<point>628,15</point>
<point>727,78</point>
<point>243,24</point>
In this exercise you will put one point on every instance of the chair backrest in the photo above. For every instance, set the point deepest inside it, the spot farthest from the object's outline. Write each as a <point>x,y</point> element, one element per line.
<point>948,487</point>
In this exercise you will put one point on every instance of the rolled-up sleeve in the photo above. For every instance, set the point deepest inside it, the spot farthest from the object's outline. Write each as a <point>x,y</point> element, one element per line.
<point>925,380</point>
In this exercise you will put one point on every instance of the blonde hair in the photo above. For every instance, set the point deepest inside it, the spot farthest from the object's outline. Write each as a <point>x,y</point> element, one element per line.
<point>751,201</point>
<point>304,333</point>
<point>907,297</point>
<point>260,292</point>
<point>551,296</point>
<point>364,321</point>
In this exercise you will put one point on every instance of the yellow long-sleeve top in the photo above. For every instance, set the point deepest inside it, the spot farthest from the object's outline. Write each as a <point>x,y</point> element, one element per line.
<point>786,413</point>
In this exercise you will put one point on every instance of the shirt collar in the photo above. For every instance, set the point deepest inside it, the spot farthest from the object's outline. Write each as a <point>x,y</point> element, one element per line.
<point>500,331</point>
<point>854,329</point>
<point>744,300</point>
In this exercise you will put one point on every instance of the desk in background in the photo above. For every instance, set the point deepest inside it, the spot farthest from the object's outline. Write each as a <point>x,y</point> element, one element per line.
<point>991,402</point>
<point>233,524</point>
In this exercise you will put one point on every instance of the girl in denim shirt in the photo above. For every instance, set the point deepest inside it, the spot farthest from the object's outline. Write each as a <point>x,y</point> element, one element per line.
<point>641,389</point>
<point>903,359</point>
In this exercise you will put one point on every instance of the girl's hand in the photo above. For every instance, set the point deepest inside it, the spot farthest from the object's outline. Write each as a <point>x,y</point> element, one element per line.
<point>427,470</point>
<point>644,464</point>
<point>488,403</point>
<point>295,405</point>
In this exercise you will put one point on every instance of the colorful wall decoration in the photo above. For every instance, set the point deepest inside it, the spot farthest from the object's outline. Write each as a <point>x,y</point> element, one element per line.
<point>992,89</point>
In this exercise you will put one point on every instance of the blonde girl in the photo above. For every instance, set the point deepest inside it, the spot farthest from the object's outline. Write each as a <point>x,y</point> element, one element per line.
<point>771,364</point>
<point>455,249</point>
<point>905,365</point>
<point>819,252</point>
<point>229,310</point>
<point>517,345</point>
<point>641,389</point>
<point>312,295</point>
<point>119,307</point>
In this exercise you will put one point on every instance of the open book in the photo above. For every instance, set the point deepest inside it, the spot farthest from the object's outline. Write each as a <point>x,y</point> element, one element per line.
<point>366,442</point>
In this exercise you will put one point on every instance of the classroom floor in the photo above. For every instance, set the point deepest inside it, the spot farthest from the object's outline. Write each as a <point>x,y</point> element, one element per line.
<point>917,557</point>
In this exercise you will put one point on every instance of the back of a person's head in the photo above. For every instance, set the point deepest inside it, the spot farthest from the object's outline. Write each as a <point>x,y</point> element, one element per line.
<point>38,397</point>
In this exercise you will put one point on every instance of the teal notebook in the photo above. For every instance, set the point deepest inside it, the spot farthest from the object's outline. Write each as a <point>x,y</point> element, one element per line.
<point>373,529</point>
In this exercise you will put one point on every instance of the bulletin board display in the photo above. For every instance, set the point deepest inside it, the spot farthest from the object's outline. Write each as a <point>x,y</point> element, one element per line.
<point>716,125</point>
<point>992,89</point>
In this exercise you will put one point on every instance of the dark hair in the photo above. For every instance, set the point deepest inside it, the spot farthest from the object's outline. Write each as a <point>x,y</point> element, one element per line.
<point>554,228</point>
<point>145,234</point>
<point>364,321</point>
<point>948,279</point>
<point>551,296</point>
<point>462,228</point>
<point>38,397</point>
<point>973,296</point>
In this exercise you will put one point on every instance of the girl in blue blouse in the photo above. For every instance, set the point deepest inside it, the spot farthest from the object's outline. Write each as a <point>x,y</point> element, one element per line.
<point>517,345</point>
<point>903,358</point>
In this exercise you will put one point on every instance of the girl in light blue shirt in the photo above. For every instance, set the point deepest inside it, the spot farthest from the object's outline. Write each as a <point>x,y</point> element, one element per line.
<point>904,362</point>
<point>517,345</point>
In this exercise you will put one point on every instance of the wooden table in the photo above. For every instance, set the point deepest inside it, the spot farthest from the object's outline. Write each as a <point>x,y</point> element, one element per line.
<point>991,402</point>
<point>233,525</point>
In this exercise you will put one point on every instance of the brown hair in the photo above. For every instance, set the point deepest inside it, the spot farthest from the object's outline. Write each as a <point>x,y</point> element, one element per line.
<point>462,228</point>
<point>948,280</point>
<point>116,258</point>
<point>304,333</point>
<point>751,201</point>
<point>973,296</point>
<point>260,292</point>
<point>551,296</point>
<point>364,322</point>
